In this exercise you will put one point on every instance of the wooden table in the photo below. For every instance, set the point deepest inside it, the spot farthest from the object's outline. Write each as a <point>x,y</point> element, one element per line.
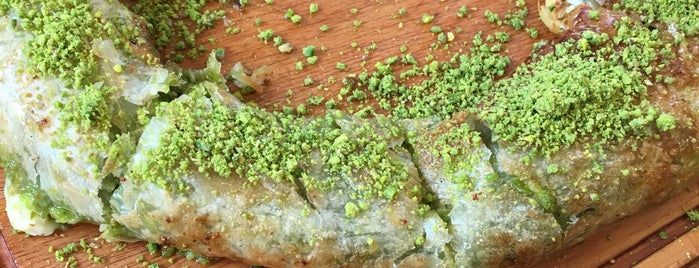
<point>622,243</point>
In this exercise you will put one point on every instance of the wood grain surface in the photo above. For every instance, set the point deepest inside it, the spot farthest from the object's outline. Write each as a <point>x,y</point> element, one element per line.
<point>623,243</point>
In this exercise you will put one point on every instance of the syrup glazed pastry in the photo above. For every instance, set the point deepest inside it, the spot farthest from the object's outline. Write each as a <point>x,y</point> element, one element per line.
<point>596,125</point>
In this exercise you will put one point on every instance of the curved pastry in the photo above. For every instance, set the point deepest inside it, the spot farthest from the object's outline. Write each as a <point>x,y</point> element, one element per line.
<point>595,126</point>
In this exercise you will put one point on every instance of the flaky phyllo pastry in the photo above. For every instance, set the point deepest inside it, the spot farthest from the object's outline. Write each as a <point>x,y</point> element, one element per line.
<point>594,126</point>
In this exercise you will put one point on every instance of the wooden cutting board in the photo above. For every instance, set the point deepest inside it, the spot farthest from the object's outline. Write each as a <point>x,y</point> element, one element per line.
<point>622,243</point>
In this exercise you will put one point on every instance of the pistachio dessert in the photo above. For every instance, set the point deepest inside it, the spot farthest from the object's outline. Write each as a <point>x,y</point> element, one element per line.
<point>472,167</point>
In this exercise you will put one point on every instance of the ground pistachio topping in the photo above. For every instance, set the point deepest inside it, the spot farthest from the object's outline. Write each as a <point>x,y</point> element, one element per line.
<point>255,145</point>
<point>693,215</point>
<point>90,108</point>
<point>63,32</point>
<point>683,14</point>
<point>65,255</point>
<point>592,87</point>
<point>448,87</point>
<point>167,25</point>
<point>457,148</point>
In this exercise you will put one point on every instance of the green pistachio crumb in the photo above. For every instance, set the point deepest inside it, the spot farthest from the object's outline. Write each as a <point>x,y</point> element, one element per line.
<point>533,32</point>
<point>308,81</point>
<point>502,37</point>
<point>265,35</point>
<point>427,18</point>
<point>390,192</point>
<point>450,37</point>
<point>220,53</point>
<point>234,30</point>
<point>285,48</point>
<point>118,68</point>
<point>301,109</point>
<point>313,8</point>
<point>278,41</point>
<point>492,16</point>
<point>66,252</point>
<point>324,28</point>
<point>341,66</point>
<point>289,13</point>
<point>330,104</point>
<point>152,248</point>
<point>625,172</point>
<point>309,51</point>
<point>693,215</point>
<point>312,60</point>
<point>357,23</point>
<point>665,122</point>
<point>119,246</point>
<point>296,18</point>
<point>351,210</point>
<point>441,38</point>
<point>189,255</point>
<point>462,12</point>
<point>315,100</point>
